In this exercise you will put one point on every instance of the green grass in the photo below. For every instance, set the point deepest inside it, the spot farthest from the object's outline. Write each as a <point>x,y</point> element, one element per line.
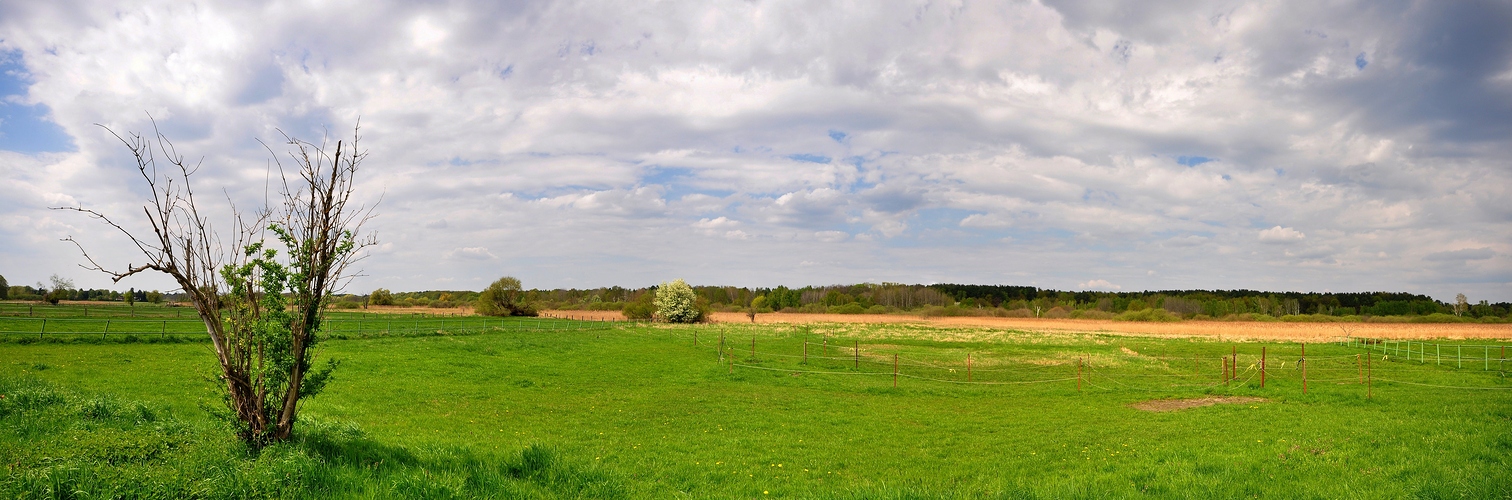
<point>639,411</point>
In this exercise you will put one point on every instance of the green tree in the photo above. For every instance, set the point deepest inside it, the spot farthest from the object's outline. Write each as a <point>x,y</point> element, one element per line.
<point>4,288</point>
<point>503,298</point>
<point>643,307</point>
<point>130,296</point>
<point>261,308</point>
<point>676,302</point>
<point>381,297</point>
<point>59,289</point>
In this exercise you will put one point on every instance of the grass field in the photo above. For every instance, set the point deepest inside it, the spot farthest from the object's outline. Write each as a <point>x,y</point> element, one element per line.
<point>635,410</point>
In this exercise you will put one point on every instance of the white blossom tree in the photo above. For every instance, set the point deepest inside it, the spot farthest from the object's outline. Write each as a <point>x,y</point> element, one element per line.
<point>676,302</point>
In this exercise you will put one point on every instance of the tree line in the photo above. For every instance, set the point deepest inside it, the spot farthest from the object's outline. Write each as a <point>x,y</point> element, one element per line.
<point>1008,300</point>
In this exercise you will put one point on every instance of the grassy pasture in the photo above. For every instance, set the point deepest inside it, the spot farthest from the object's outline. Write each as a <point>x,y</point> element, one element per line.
<point>634,410</point>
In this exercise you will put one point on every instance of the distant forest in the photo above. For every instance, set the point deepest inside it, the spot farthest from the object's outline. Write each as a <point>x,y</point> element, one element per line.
<point>993,300</point>
<point>942,299</point>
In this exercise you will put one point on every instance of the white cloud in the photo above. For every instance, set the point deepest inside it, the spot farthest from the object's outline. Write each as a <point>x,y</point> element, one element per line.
<point>1098,284</point>
<point>471,253</point>
<point>1281,235</point>
<point>1030,141</point>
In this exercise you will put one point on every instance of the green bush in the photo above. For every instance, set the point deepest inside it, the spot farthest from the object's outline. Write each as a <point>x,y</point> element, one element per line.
<point>1160,315</point>
<point>642,307</point>
<point>501,298</point>
<point>851,308</point>
<point>1440,318</point>
<point>381,297</point>
<point>1091,314</point>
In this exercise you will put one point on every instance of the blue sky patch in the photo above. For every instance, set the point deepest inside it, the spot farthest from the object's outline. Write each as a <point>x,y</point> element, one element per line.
<point>1192,161</point>
<point>25,129</point>
<point>838,136</point>
<point>809,158</point>
<point>1360,61</point>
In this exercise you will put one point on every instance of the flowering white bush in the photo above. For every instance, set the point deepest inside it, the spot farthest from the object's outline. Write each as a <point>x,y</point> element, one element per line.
<point>676,302</point>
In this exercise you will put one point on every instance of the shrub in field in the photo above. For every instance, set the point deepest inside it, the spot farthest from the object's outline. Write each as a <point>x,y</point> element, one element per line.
<point>1148,315</point>
<point>381,297</point>
<point>851,308</point>
<point>878,309</point>
<point>643,307</point>
<point>4,289</point>
<point>501,298</point>
<point>676,302</point>
<point>1092,314</point>
<point>1058,312</point>
<point>262,311</point>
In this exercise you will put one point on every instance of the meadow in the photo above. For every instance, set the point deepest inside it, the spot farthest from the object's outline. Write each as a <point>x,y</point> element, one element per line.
<point>554,408</point>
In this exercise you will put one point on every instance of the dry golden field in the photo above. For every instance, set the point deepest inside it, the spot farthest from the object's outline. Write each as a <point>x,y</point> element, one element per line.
<point>1235,330</point>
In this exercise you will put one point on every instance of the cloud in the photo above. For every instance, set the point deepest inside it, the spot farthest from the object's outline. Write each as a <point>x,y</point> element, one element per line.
<point>1281,235</point>
<point>1098,284</point>
<point>470,253</point>
<point>1482,253</point>
<point>586,143</point>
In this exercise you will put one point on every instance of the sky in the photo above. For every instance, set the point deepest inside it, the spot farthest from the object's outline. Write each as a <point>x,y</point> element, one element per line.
<point>1274,145</point>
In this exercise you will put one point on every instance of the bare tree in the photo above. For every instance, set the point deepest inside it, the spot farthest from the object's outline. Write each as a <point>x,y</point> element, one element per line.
<point>261,312</point>
<point>1461,304</point>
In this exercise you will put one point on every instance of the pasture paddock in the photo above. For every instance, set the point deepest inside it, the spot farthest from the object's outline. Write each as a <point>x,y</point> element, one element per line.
<point>638,410</point>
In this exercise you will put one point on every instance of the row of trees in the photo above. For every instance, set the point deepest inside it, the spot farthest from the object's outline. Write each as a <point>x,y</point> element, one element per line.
<point>890,297</point>
<point>63,289</point>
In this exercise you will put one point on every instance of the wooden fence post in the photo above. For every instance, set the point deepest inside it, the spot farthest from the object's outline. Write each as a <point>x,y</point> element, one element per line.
<point>1360,367</point>
<point>44,329</point>
<point>857,347</point>
<point>968,367</point>
<point>1304,368</point>
<point>1234,353</point>
<point>1262,367</point>
<point>805,351</point>
<point>753,347</point>
<point>895,371</point>
<point>1079,363</point>
<point>1369,379</point>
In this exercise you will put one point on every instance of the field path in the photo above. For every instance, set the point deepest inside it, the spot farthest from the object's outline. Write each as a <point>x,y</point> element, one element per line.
<point>1237,330</point>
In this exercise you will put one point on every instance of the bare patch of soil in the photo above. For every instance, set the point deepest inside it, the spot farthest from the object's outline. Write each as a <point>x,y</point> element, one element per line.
<point>1182,404</point>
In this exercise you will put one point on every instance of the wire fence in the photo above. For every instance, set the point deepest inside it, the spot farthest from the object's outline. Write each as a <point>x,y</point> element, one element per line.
<point>1258,368</point>
<point>1349,361</point>
<point>1422,352</point>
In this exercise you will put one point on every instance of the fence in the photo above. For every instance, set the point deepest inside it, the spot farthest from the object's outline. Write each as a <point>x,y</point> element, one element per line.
<point>1260,368</point>
<point>1454,354</point>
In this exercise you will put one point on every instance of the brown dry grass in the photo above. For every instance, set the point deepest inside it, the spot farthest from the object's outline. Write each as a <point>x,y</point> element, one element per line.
<point>1182,404</point>
<point>1226,330</point>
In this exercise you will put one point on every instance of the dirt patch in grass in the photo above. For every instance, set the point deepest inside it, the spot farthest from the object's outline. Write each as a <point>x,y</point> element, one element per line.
<point>1182,404</point>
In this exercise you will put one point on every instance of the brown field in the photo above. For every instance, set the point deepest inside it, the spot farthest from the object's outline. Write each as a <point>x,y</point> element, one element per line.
<point>1228,330</point>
